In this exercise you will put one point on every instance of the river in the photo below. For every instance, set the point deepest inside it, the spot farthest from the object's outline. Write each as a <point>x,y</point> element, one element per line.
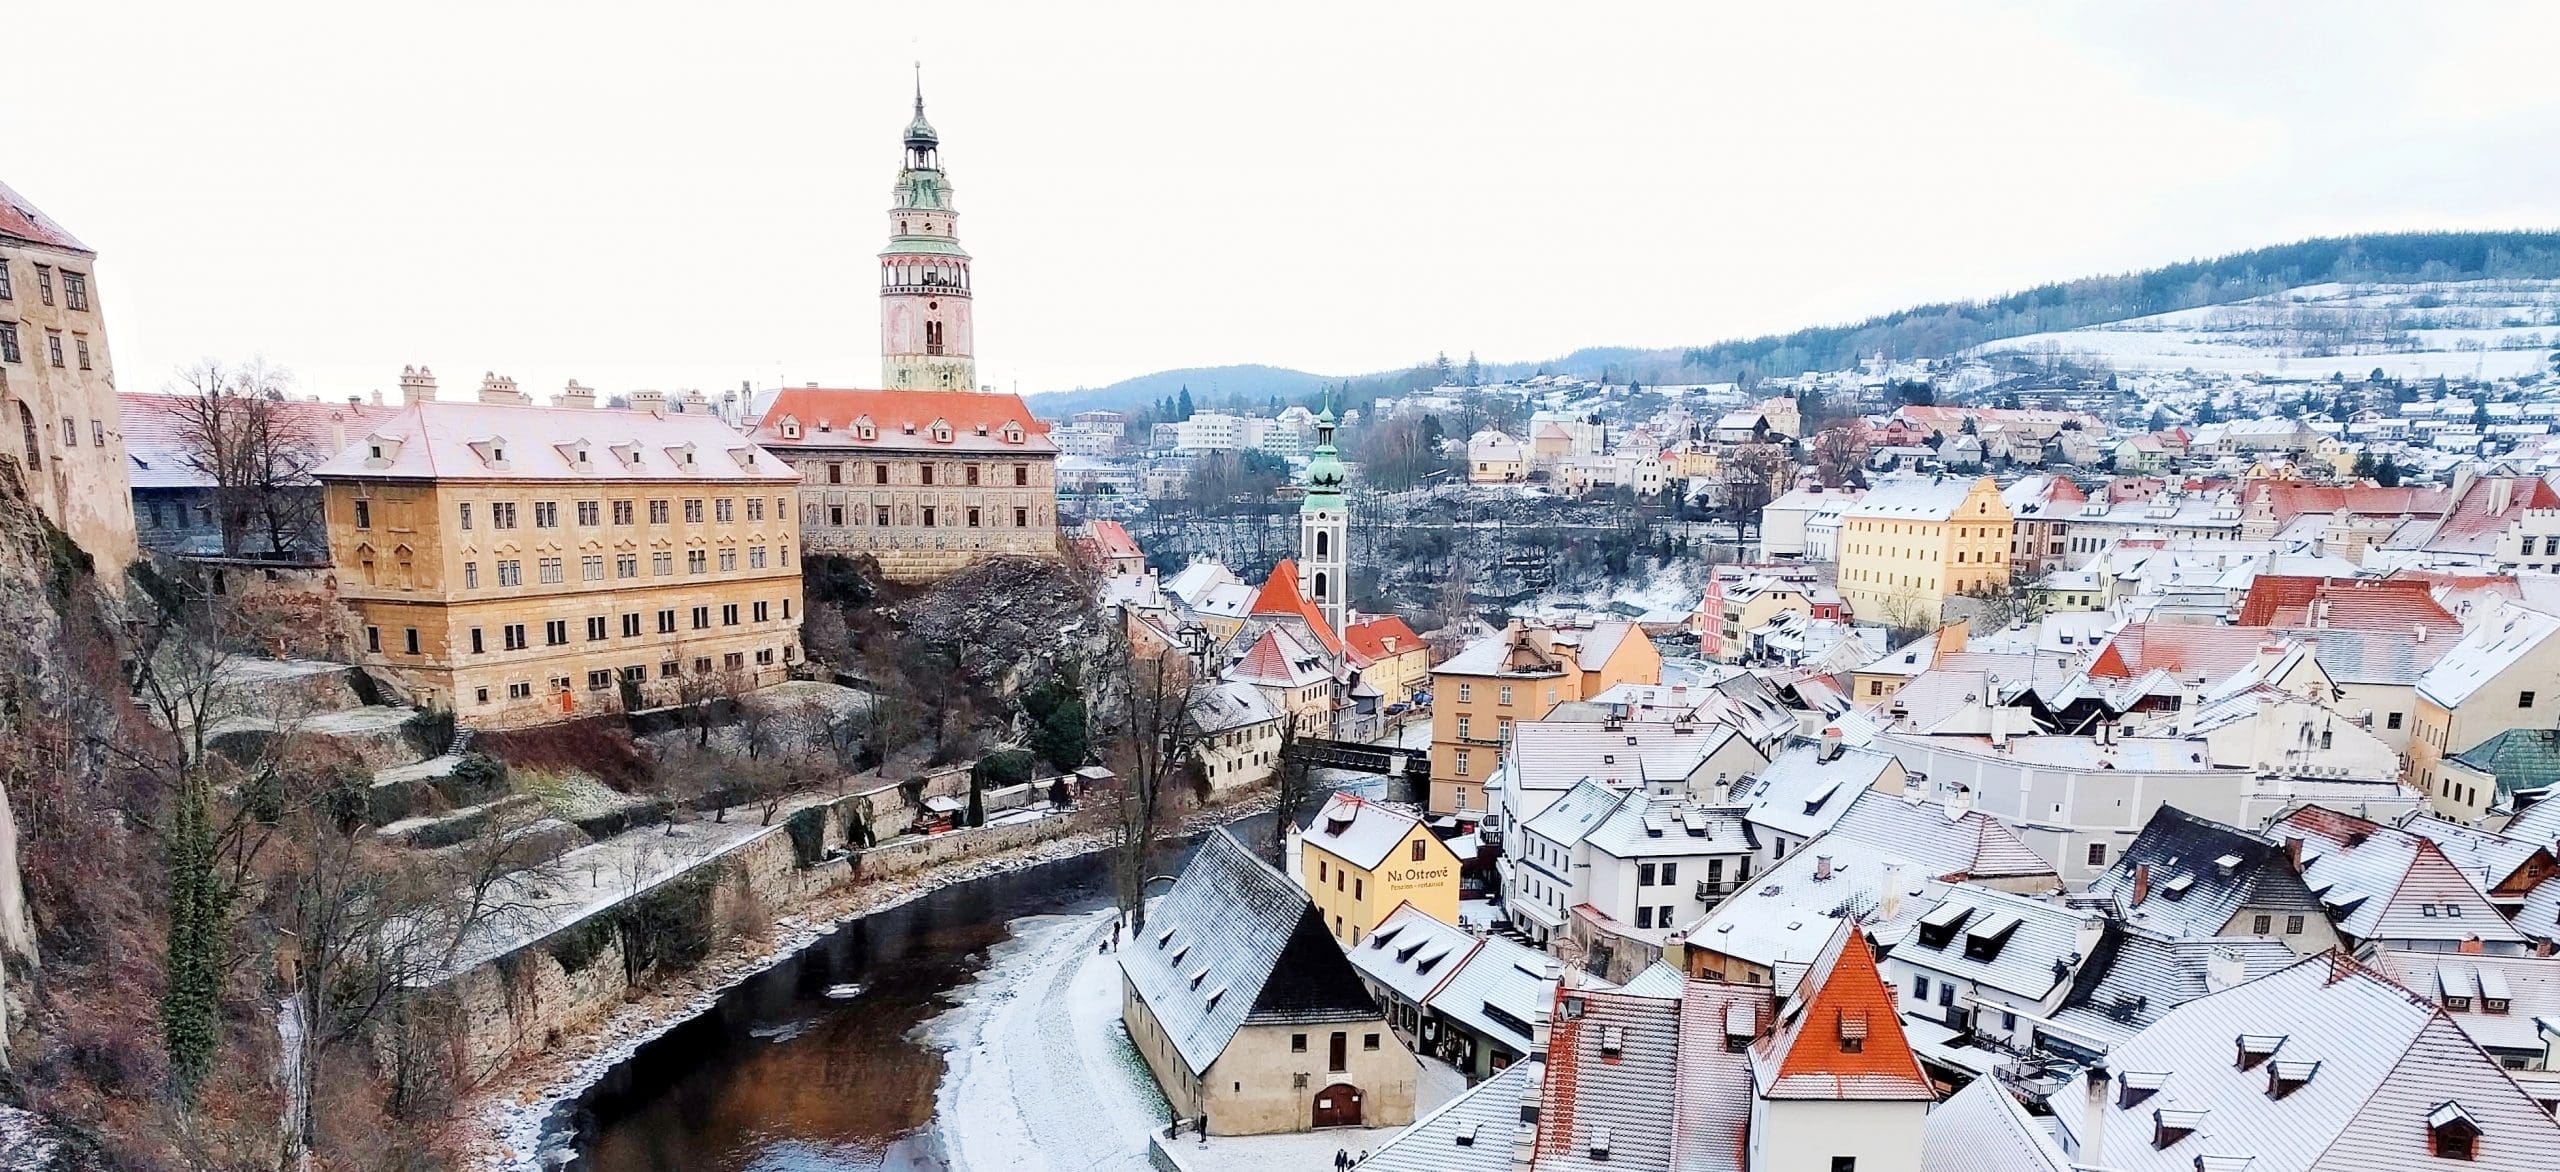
<point>784,1076</point>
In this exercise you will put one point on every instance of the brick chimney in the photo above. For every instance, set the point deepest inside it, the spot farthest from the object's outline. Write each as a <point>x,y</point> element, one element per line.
<point>2141,883</point>
<point>2293,850</point>
<point>417,385</point>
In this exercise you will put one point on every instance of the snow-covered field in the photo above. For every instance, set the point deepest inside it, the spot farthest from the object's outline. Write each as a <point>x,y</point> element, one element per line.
<point>2488,329</point>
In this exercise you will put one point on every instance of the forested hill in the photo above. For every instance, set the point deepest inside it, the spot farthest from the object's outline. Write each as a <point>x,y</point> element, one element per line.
<point>1925,331</point>
<point>1935,331</point>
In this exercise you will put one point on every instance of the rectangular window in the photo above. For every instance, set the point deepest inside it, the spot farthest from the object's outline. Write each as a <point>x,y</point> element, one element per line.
<point>924,472</point>
<point>590,512</point>
<point>7,293</point>
<point>1462,762</point>
<point>373,639</point>
<point>477,647</point>
<point>520,690</point>
<point>755,557</point>
<point>835,516</point>
<point>470,575</point>
<point>9,343</point>
<point>972,474</point>
<point>53,346</point>
<point>599,680</point>
<point>510,572</point>
<point>661,564</point>
<point>728,560</point>
<point>80,347</point>
<point>502,514</point>
<point>2293,925</point>
<point>626,565</point>
<point>546,514</point>
<point>666,622</point>
<point>928,516</point>
<point>728,614</point>
<point>880,515</point>
<point>1022,518</point>
<point>70,431</point>
<point>595,628</point>
<point>973,518</point>
<point>835,473</point>
<point>724,509</point>
<point>1644,917</point>
<point>622,512</point>
<point>514,634</point>
<point>555,632</point>
<point>364,514</point>
<point>763,611</point>
<point>551,570</point>
<point>631,625</point>
<point>879,474</point>
<point>755,508</point>
<point>2524,699</point>
<point>701,618</point>
<point>591,568</point>
<point>696,561</point>
<point>44,284</point>
<point>409,640</point>
<point>1644,874</point>
<point>2097,854</point>
<point>75,289</point>
<point>1021,475</point>
<point>465,508</point>
<point>658,512</point>
<point>693,510</point>
<point>2261,925</point>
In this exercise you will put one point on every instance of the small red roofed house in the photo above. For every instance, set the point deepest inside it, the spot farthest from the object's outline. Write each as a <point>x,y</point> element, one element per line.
<point>1390,657</point>
<point>1110,550</point>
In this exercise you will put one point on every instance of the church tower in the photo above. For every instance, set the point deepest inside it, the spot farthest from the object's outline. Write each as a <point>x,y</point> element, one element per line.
<point>1323,562</point>
<point>926,332</point>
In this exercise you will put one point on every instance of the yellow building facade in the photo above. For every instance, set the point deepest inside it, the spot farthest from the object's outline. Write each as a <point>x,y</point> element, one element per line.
<point>1358,860</point>
<point>520,565</point>
<point>1519,674</point>
<point>1915,541</point>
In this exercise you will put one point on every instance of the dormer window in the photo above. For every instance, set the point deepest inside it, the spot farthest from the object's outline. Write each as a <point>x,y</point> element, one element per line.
<point>790,427</point>
<point>628,453</point>
<point>2452,1134</point>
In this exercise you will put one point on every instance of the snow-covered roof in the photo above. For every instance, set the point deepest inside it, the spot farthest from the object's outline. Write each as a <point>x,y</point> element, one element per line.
<point>440,440</point>
<point>2463,985</point>
<point>1411,953</point>
<point>1498,989</point>
<point>1358,831</point>
<point>2492,646</point>
<point>2008,942</point>
<point>1982,1129</point>
<point>1231,705</point>
<point>2138,974</point>
<point>2381,883</point>
<point>1554,754</point>
<point>1801,795</point>
<point>1670,827</point>
<point>1473,1132</point>
<point>1913,498</point>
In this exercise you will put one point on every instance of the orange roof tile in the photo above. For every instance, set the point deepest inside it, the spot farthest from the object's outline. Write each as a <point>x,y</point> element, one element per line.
<point>977,419</point>
<point>1374,639</point>
<point>1844,995</point>
<point>20,220</point>
<point>1281,596</point>
<point>2181,649</point>
<point>2370,604</point>
<point>1112,539</point>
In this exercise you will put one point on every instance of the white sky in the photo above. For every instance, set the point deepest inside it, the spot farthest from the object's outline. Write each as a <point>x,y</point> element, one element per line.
<point>639,194</point>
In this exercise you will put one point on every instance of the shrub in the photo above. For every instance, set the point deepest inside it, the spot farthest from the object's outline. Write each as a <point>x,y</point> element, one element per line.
<point>1003,767</point>
<point>428,731</point>
<point>579,944</point>
<point>808,830</point>
<point>476,778</point>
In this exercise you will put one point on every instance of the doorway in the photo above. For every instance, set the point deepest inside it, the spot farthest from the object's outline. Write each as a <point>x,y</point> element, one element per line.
<point>1338,1106</point>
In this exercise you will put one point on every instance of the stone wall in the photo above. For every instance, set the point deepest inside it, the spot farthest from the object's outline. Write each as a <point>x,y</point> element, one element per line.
<point>527,1000</point>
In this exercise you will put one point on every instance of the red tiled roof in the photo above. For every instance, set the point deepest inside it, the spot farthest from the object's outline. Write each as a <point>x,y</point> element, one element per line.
<point>1112,539</point>
<point>1374,639</point>
<point>1842,993</point>
<point>2293,498</point>
<point>2368,604</point>
<point>2181,649</point>
<point>826,417</point>
<point>20,220</point>
<point>1281,596</point>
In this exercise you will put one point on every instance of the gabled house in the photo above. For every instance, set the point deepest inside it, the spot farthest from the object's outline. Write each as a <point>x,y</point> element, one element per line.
<point>2189,878</point>
<point>1247,1012</point>
<point>2385,887</point>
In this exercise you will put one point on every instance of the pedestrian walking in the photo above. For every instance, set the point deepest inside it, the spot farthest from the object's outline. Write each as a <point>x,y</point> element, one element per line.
<point>1341,1159</point>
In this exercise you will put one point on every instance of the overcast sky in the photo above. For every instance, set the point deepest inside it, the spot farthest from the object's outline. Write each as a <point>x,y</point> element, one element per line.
<point>654,194</point>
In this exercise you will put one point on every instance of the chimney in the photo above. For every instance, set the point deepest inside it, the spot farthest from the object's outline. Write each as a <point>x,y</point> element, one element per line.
<point>1958,801</point>
<point>577,394</point>
<point>1831,743</point>
<point>1915,786</point>
<point>2502,492</point>
<point>649,401</point>
<point>1821,868</point>
<point>1524,1137</point>
<point>417,385</point>
<point>2223,969</point>
<point>2141,883</point>
<point>2418,631</point>
<point>1889,904</point>
<point>2293,850</point>
<point>2093,1118</point>
<point>377,397</point>
<point>498,388</point>
<point>2470,945</point>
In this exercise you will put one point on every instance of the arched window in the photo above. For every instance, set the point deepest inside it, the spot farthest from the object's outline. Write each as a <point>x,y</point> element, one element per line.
<point>1324,543</point>
<point>1320,585</point>
<point>35,440</point>
<point>933,337</point>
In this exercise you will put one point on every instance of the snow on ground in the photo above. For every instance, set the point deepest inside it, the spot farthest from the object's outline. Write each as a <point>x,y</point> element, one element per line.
<point>2491,329</point>
<point>1042,1076</point>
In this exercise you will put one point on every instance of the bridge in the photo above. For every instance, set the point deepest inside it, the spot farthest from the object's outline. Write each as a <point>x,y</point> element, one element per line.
<point>1414,765</point>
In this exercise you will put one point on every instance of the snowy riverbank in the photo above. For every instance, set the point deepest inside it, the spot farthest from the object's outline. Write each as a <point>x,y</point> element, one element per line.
<point>504,1127</point>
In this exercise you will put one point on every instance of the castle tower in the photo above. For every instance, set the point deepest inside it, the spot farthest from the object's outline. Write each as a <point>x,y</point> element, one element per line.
<point>927,334</point>
<point>1323,569</point>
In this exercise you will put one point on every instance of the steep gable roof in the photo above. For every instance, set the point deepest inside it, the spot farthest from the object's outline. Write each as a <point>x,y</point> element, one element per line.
<point>1361,832</point>
<point>1982,1129</point>
<point>2363,604</point>
<point>2384,883</point>
<point>21,220</point>
<point>2177,845</point>
<point>1841,1037</point>
<point>1379,638</point>
<point>2184,650</point>
<point>1278,660</point>
<point>1236,943</point>
<point>441,440</point>
<point>902,421</point>
<point>1280,595</point>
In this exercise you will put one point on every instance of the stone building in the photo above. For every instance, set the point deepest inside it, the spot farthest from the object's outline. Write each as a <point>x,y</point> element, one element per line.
<point>60,384</point>
<point>1915,541</point>
<point>525,564</point>
<point>1247,1012</point>
<point>928,482</point>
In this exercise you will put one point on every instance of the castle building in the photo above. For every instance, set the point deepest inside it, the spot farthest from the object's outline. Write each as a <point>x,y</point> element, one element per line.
<point>927,335</point>
<point>60,385</point>
<point>525,564</point>
<point>930,475</point>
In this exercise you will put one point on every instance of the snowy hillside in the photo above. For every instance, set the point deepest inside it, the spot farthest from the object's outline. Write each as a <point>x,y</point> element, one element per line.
<point>2487,328</point>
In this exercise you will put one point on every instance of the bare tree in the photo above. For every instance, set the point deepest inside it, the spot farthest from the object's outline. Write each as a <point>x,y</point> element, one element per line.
<point>1753,475</point>
<point>1294,782</point>
<point>500,872</point>
<point>1155,737</point>
<point>1836,455</point>
<point>238,431</point>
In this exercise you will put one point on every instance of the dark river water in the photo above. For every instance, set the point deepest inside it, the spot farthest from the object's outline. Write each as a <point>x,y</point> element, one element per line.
<point>780,1077</point>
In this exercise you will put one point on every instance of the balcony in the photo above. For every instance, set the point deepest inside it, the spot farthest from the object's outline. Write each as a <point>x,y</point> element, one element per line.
<point>928,290</point>
<point>1711,890</point>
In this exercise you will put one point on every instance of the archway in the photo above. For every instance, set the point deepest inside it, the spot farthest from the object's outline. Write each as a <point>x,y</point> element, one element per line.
<point>1338,1106</point>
